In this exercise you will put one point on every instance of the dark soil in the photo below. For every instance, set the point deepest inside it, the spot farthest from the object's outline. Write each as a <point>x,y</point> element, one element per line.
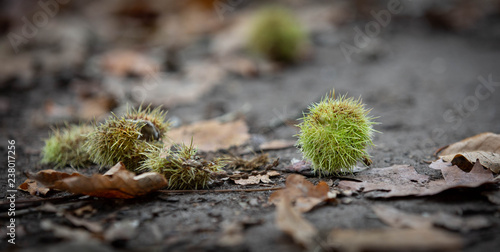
<point>421,82</point>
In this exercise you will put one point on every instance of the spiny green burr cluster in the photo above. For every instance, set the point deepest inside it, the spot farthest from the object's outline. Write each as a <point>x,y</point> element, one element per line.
<point>65,147</point>
<point>125,138</point>
<point>277,35</point>
<point>136,139</point>
<point>335,133</point>
<point>181,167</point>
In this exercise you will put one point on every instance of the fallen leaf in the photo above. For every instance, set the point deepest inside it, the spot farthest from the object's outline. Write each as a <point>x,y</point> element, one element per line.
<point>211,135</point>
<point>273,173</point>
<point>290,221</point>
<point>397,180</point>
<point>455,177</point>
<point>399,219</point>
<point>393,239</point>
<point>51,178</point>
<point>254,180</point>
<point>489,142</point>
<point>403,180</point>
<point>33,188</point>
<point>118,182</point>
<point>466,160</point>
<point>303,193</point>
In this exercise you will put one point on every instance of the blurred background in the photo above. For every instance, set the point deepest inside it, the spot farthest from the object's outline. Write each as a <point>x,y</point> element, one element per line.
<point>429,69</point>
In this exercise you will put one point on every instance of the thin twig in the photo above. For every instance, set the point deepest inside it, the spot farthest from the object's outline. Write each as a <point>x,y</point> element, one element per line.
<point>223,190</point>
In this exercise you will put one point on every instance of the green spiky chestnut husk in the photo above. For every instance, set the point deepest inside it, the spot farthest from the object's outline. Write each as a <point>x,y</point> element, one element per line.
<point>126,138</point>
<point>277,35</point>
<point>65,147</point>
<point>181,167</point>
<point>335,133</point>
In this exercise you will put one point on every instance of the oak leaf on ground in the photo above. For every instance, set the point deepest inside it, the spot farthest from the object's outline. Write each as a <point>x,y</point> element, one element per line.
<point>118,182</point>
<point>484,146</point>
<point>403,180</point>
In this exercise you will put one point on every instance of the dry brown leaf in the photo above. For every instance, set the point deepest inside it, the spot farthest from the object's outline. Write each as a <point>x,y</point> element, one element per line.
<point>290,221</point>
<point>303,193</point>
<point>399,219</point>
<point>403,180</point>
<point>489,142</point>
<point>394,239</point>
<point>211,135</point>
<point>397,180</point>
<point>118,182</point>
<point>455,177</point>
<point>466,160</point>
<point>254,180</point>
<point>51,178</point>
<point>33,188</point>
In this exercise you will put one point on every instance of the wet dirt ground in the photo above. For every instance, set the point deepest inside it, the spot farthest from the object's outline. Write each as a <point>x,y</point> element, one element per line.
<point>428,88</point>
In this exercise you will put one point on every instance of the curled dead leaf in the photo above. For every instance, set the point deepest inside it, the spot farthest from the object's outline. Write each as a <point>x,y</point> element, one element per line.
<point>257,179</point>
<point>484,146</point>
<point>489,142</point>
<point>403,180</point>
<point>466,160</point>
<point>455,177</point>
<point>118,182</point>
<point>33,188</point>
